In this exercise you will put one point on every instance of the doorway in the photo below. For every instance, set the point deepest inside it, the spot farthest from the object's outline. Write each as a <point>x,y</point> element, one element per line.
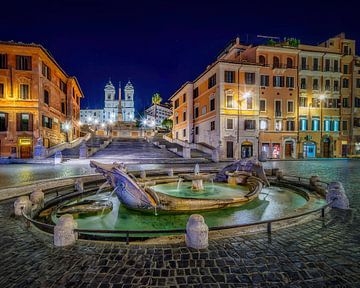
<point>229,149</point>
<point>289,148</point>
<point>326,148</point>
<point>246,150</point>
<point>309,150</point>
<point>25,151</point>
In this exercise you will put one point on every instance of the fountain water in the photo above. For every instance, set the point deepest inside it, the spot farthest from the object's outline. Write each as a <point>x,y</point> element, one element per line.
<point>102,187</point>
<point>179,183</point>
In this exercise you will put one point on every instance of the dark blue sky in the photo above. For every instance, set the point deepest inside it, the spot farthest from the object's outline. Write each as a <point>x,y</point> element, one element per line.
<point>160,44</point>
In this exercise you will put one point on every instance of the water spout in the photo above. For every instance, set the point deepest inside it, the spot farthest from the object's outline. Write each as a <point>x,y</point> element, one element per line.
<point>155,212</point>
<point>179,183</point>
<point>101,187</point>
<point>197,169</point>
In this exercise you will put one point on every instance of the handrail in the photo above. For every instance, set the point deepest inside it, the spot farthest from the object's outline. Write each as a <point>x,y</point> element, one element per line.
<point>269,222</point>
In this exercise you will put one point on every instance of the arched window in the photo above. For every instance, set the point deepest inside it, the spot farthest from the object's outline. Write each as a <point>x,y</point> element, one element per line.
<point>276,62</point>
<point>289,63</point>
<point>262,60</point>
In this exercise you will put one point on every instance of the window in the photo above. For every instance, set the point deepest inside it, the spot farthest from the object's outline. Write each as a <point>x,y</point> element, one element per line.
<point>289,63</point>
<point>290,125</point>
<point>264,80</point>
<point>327,65</point>
<point>332,103</point>
<point>176,104</point>
<point>230,76</point>
<point>315,84</point>
<point>63,107</point>
<point>2,90</point>
<point>303,83</point>
<point>303,102</point>
<point>46,71</point>
<point>3,61</point>
<point>176,119</point>
<point>184,97</point>
<point>358,83</point>
<point>3,121</point>
<point>184,116</point>
<point>357,102</point>
<point>344,125</point>
<point>63,87</point>
<point>262,105</point>
<point>303,124</point>
<point>263,124</point>
<point>262,60</point>
<point>249,103</point>
<point>303,63</point>
<point>177,135</point>
<point>46,97</point>
<point>24,122</point>
<point>336,85</point>
<point>212,125</point>
<point>346,69</point>
<point>196,112</point>
<point>197,130</point>
<point>336,65</point>
<point>327,85</point>
<point>23,62</point>
<point>345,102</point>
<point>203,110</point>
<point>290,106</point>
<point>212,81</point>
<point>315,64</point>
<point>212,104</point>
<point>315,102</point>
<point>196,92</point>
<point>277,108</point>
<point>315,124</point>
<point>229,101</point>
<point>24,91</point>
<point>46,122</point>
<point>345,83</point>
<point>278,81</point>
<point>278,125</point>
<point>229,123</point>
<point>346,50</point>
<point>249,78</point>
<point>357,122</point>
<point>336,126</point>
<point>184,132</point>
<point>290,82</point>
<point>250,124</point>
<point>327,125</point>
<point>276,62</point>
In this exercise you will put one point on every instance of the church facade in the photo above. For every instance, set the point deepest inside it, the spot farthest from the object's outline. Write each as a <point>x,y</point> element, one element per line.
<point>115,109</point>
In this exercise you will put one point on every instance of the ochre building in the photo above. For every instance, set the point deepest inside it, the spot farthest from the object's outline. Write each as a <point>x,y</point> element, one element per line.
<point>37,99</point>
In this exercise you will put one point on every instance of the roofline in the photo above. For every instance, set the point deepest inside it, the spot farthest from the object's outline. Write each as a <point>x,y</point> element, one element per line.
<point>182,86</point>
<point>47,53</point>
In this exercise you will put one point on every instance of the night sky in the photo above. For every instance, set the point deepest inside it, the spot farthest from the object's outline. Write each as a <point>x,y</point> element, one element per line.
<point>159,45</point>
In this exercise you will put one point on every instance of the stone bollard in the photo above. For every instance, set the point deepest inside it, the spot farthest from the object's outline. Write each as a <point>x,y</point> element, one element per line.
<point>79,185</point>
<point>64,233</point>
<point>171,172</point>
<point>58,157</point>
<point>22,203</point>
<point>279,175</point>
<point>196,232</point>
<point>83,152</point>
<point>336,194</point>
<point>37,198</point>
<point>143,174</point>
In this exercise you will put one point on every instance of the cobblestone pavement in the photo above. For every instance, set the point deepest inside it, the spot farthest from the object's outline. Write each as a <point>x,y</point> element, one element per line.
<point>322,253</point>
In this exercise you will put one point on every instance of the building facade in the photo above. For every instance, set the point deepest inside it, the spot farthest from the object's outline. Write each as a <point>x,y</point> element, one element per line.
<point>37,100</point>
<point>288,100</point>
<point>157,113</point>
<point>111,110</point>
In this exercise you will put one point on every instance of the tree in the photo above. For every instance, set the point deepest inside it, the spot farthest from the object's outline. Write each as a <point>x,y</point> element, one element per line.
<point>156,99</point>
<point>167,123</point>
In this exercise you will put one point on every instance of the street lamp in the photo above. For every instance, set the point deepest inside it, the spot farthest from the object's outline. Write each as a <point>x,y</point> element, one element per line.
<point>322,97</point>
<point>67,127</point>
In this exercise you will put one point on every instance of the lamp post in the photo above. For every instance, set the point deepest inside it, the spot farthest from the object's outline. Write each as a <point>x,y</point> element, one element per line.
<point>67,128</point>
<point>322,98</point>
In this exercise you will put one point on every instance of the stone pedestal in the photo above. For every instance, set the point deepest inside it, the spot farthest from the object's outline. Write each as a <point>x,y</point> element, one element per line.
<point>143,174</point>
<point>58,158</point>
<point>197,184</point>
<point>196,232</point>
<point>79,185</point>
<point>83,152</point>
<point>64,233</point>
<point>22,203</point>
<point>336,194</point>
<point>37,198</point>
<point>186,152</point>
<point>39,150</point>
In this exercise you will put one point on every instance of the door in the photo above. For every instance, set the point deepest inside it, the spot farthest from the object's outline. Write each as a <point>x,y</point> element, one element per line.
<point>309,150</point>
<point>344,150</point>
<point>326,148</point>
<point>288,149</point>
<point>246,151</point>
<point>25,151</point>
<point>229,149</point>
